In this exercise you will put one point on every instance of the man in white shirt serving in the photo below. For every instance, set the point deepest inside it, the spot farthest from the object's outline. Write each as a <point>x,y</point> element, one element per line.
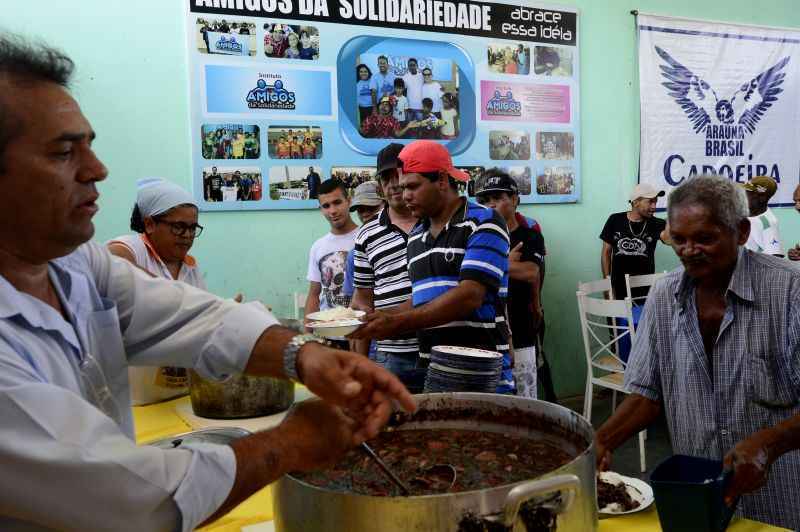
<point>73,317</point>
<point>764,235</point>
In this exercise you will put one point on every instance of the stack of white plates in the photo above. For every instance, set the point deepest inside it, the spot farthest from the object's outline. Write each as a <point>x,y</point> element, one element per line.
<point>463,369</point>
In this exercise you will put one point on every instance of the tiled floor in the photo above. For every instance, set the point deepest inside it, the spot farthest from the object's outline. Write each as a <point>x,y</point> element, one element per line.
<point>626,458</point>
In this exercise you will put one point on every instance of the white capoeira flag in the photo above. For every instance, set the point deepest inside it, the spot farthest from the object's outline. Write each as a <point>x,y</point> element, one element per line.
<point>718,98</point>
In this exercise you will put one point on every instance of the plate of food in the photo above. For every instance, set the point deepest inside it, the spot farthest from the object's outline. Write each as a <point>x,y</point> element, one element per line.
<point>336,322</point>
<point>620,495</point>
<point>336,313</point>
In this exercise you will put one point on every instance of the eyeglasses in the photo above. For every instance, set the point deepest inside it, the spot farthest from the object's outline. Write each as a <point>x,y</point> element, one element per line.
<point>180,228</point>
<point>428,74</point>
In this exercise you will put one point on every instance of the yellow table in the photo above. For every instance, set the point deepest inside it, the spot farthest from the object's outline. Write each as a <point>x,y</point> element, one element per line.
<point>160,421</point>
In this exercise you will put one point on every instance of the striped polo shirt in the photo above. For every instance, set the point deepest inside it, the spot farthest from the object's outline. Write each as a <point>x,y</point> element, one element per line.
<point>380,265</point>
<point>474,246</point>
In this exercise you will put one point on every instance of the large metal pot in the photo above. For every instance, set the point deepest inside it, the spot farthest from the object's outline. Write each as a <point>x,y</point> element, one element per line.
<point>567,493</point>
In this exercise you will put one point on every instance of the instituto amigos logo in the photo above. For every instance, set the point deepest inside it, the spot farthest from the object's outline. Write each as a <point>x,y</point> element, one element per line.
<point>266,96</point>
<point>503,104</point>
<point>724,124</point>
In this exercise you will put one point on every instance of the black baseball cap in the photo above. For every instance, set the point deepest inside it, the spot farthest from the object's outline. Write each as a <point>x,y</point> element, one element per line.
<point>387,158</point>
<point>498,183</point>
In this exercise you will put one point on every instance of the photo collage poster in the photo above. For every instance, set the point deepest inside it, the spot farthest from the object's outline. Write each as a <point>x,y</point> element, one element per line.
<point>285,94</point>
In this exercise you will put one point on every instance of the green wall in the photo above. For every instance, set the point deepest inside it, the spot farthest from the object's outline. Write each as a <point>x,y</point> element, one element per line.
<point>132,84</point>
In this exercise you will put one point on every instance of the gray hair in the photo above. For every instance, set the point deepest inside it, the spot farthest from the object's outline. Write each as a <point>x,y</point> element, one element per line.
<point>725,200</point>
<point>25,62</point>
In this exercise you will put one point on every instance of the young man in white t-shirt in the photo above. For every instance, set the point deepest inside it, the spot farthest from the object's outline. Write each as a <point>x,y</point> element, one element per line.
<point>328,256</point>
<point>764,234</point>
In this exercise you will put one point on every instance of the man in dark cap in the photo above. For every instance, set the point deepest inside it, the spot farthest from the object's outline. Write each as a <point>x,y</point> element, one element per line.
<point>498,190</point>
<point>381,273</point>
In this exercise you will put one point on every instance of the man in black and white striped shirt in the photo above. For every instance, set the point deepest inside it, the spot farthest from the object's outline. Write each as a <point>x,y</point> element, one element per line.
<point>381,274</point>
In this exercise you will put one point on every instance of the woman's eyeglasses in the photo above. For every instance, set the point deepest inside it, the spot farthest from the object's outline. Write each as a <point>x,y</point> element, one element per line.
<point>180,228</point>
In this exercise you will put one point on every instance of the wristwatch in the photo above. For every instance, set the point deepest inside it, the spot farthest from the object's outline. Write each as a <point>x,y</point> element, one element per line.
<point>290,354</point>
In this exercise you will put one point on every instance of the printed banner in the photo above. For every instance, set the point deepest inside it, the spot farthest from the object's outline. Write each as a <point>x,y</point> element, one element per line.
<point>223,43</point>
<point>268,92</point>
<point>718,99</point>
<point>285,94</point>
<point>524,103</point>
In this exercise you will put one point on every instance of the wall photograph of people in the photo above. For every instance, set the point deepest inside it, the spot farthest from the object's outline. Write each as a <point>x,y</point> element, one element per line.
<point>230,141</point>
<point>555,180</point>
<point>552,61</point>
<point>294,142</point>
<point>239,183</point>
<point>225,37</point>
<point>353,176</point>
<point>555,145</point>
<point>509,145</point>
<point>410,97</point>
<point>474,173</point>
<point>287,41</point>
<point>509,58</point>
<point>294,182</point>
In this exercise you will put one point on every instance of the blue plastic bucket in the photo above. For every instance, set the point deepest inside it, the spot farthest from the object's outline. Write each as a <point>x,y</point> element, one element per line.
<point>689,494</point>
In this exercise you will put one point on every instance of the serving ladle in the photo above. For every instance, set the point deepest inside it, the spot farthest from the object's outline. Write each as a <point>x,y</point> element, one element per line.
<point>444,472</point>
<point>385,468</point>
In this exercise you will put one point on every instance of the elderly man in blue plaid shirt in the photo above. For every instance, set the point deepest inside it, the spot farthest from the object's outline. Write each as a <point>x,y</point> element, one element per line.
<point>718,349</point>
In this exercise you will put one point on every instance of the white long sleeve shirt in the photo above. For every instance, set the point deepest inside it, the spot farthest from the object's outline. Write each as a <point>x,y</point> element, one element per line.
<point>66,427</point>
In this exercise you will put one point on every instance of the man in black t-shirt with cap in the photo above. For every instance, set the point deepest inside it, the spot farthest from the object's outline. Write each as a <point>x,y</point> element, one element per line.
<point>630,239</point>
<point>499,191</point>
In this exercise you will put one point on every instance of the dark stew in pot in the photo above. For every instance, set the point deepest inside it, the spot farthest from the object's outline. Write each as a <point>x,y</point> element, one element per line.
<point>481,459</point>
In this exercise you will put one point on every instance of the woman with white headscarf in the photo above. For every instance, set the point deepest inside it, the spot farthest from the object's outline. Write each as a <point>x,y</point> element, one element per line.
<point>165,220</point>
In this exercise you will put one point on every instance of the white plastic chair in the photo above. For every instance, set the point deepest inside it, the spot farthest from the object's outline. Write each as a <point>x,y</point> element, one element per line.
<point>592,288</point>
<point>638,281</point>
<point>299,302</point>
<point>595,328</point>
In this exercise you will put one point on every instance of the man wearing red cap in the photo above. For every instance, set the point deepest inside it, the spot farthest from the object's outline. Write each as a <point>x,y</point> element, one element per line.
<point>457,263</point>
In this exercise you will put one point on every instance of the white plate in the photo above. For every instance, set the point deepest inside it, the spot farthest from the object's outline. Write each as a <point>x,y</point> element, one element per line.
<point>448,369</point>
<point>324,315</point>
<point>466,351</point>
<point>639,490</point>
<point>334,329</point>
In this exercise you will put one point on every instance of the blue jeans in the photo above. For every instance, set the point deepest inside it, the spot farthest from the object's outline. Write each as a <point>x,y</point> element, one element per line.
<point>405,367</point>
<point>379,357</point>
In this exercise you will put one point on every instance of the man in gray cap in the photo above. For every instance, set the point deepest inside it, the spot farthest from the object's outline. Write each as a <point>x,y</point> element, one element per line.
<point>630,238</point>
<point>366,201</point>
<point>366,204</point>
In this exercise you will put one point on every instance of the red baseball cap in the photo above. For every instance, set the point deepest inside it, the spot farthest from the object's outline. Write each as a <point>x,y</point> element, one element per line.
<point>422,156</point>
